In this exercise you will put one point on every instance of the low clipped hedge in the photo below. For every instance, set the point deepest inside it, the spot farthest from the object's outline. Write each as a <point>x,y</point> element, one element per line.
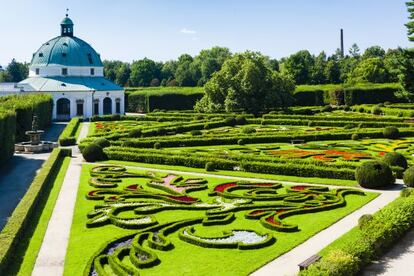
<point>67,137</point>
<point>351,253</point>
<point>14,231</point>
<point>167,158</point>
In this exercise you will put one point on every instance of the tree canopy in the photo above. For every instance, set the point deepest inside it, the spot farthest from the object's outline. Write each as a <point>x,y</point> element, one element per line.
<point>246,82</point>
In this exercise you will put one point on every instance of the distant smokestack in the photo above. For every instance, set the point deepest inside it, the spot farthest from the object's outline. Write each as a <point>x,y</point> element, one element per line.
<point>342,43</point>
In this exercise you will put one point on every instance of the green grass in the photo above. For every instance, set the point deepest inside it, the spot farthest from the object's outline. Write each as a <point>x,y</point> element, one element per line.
<point>78,131</point>
<point>29,253</point>
<point>186,259</point>
<point>313,180</point>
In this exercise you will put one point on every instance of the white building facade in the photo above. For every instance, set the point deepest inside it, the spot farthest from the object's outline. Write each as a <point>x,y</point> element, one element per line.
<point>72,71</point>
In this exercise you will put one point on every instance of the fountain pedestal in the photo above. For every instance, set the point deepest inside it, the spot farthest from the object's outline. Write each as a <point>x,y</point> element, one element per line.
<point>35,145</point>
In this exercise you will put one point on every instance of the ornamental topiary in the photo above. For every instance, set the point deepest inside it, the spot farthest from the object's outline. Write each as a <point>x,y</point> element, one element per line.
<point>102,142</point>
<point>230,121</point>
<point>248,130</point>
<point>241,120</point>
<point>395,159</point>
<point>376,110</point>
<point>93,153</point>
<point>241,142</point>
<point>409,177</point>
<point>391,133</point>
<point>210,166</point>
<point>355,136</point>
<point>135,133</point>
<point>374,174</point>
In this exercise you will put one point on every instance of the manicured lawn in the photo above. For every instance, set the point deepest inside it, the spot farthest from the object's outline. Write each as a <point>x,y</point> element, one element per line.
<point>33,247</point>
<point>185,258</point>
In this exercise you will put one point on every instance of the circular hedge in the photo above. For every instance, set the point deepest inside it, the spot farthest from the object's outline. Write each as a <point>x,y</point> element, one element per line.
<point>135,133</point>
<point>376,110</point>
<point>391,132</point>
<point>364,220</point>
<point>210,166</point>
<point>93,153</point>
<point>409,177</point>
<point>355,136</point>
<point>102,142</point>
<point>374,174</point>
<point>241,120</point>
<point>396,159</point>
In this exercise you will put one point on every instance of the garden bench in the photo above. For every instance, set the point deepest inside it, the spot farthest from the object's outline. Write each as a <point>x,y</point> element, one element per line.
<point>295,142</point>
<point>311,260</point>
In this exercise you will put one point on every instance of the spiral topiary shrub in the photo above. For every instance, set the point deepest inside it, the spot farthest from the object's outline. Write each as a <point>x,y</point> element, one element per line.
<point>391,133</point>
<point>93,153</point>
<point>396,159</point>
<point>374,174</point>
<point>102,142</point>
<point>409,177</point>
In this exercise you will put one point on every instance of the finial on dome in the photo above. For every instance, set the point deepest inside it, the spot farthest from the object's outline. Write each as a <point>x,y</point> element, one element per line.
<point>66,25</point>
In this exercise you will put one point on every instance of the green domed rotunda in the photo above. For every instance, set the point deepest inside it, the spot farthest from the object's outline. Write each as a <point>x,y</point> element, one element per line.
<point>72,71</point>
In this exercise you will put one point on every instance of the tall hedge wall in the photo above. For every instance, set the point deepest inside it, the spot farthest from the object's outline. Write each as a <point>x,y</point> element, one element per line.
<point>16,114</point>
<point>7,134</point>
<point>25,107</point>
<point>147,102</point>
<point>311,95</point>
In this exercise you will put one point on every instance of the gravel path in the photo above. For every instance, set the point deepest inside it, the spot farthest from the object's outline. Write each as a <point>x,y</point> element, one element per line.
<point>51,257</point>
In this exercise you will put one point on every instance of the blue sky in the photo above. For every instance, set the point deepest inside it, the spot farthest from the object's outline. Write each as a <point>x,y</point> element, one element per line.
<point>163,29</point>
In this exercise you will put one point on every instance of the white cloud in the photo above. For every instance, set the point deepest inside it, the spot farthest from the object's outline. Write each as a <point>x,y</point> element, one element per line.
<point>187,31</point>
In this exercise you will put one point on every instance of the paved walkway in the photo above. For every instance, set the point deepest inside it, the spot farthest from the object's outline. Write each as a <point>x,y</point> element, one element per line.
<point>398,261</point>
<point>18,174</point>
<point>51,257</point>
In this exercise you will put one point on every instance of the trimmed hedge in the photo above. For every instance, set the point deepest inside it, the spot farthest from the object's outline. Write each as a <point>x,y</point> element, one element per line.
<point>291,168</point>
<point>67,137</point>
<point>26,106</point>
<point>366,244</point>
<point>374,174</point>
<point>7,135</point>
<point>17,225</point>
<point>168,99</point>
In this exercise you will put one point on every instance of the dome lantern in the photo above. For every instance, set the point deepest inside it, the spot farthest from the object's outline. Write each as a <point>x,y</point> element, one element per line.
<point>66,26</point>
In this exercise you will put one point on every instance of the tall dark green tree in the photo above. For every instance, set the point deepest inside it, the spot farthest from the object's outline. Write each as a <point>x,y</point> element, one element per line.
<point>17,71</point>
<point>410,24</point>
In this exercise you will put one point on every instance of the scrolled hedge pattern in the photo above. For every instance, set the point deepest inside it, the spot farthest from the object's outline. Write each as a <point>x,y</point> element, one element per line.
<point>262,201</point>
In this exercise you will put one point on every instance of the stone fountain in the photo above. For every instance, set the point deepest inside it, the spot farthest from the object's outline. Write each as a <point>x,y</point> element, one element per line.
<point>35,145</point>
